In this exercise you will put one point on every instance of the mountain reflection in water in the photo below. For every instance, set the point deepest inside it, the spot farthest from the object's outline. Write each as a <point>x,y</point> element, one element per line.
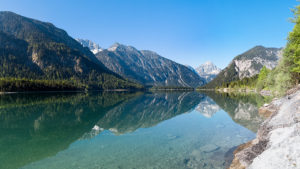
<point>37,126</point>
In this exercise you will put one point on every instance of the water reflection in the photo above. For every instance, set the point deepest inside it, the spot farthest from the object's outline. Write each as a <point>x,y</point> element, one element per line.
<point>34,127</point>
<point>207,107</point>
<point>147,110</point>
<point>243,108</point>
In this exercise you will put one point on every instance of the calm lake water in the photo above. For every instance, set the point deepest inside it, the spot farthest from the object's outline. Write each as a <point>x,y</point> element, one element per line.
<point>116,130</point>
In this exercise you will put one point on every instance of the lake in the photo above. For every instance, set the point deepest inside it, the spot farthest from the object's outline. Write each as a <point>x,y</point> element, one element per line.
<point>124,130</point>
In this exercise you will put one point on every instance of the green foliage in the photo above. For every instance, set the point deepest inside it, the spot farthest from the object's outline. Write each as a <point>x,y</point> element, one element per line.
<point>287,73</point>
<point>13,84</point>
<point>20,85</point>
<point>279,79</point>
<point>292,51</point>
<point>263,73</point>
<point>262,78</point>
<point>246,83</point>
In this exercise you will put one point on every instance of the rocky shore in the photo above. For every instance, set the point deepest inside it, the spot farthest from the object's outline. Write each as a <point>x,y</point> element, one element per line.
<point>240,90</point>
<point>278,138</point>
<point>244,90</point>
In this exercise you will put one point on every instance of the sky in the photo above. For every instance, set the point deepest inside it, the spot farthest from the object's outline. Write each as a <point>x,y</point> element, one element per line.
<point>189,32</point>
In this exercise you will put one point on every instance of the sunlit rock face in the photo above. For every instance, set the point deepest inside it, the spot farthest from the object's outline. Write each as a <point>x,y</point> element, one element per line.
<point>207,107</point>
<point>248,67</point>
<point>247,64</point>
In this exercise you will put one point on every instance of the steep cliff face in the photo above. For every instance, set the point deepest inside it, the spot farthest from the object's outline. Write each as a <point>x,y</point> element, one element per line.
<point>247,64</point>
<point>147,67</point>
<point>250,63</point>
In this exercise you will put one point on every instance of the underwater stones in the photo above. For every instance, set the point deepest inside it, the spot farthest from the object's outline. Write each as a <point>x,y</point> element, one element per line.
<point>267,110</point>
<point>228,157</point>
<point>210,148</point>
<point>172,137</point>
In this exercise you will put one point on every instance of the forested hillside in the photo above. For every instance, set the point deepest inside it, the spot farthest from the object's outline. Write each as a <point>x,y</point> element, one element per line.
<point>35,50</point>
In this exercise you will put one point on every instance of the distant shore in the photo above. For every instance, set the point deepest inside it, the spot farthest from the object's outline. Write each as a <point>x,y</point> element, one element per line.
<point>103,90</point>
<point>69,91</point>
<point>240,90</point>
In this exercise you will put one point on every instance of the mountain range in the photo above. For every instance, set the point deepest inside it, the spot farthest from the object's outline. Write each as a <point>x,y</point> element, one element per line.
<point>247,64</point>
<point>147,67</point>
<point>38,50</point>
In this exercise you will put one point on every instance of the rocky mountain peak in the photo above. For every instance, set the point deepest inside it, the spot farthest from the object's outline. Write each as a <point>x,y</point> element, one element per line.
<point>208,71</point>
<point>114,46</point>
<point>208,63</point>
<point>120,47</point>
<point>208,68</point>
<point>94,47</point>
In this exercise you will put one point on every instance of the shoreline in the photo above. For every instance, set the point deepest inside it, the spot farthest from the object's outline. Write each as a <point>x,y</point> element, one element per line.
<point>245,91</point>
<point>106,90</point>
<point>275,145</point>
<point>71,91</point>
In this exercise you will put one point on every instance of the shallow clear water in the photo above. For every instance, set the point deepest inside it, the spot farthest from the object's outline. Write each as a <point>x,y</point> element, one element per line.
<point>124,130</point>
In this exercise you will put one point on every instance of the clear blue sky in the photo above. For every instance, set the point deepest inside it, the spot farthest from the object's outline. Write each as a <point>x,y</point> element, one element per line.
<point>186,31</point>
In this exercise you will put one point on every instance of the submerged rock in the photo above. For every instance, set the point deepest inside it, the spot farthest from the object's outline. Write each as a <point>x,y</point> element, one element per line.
<point>267,110</point>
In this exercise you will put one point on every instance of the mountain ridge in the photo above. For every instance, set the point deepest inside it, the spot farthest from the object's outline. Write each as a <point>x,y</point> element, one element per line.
<point>147,67</point>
